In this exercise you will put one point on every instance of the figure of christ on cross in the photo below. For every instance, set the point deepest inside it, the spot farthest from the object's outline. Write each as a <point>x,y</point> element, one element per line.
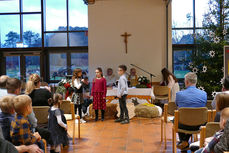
<point>126,35</point>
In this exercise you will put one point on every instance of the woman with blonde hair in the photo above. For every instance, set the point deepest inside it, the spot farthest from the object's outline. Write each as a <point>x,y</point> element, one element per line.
<point>38,95</point>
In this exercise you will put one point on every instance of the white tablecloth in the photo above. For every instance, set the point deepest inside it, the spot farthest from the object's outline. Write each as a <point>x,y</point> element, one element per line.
<point>133,91</point>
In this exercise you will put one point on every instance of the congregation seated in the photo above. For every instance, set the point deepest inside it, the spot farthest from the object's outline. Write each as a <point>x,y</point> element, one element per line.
<point>110,78</point>
<point>225,89</point>
<point>222,101</point>
<point>219,142</point>
<point>3,90</point>
<point>190,97</point>
<point>38,95</point>
<point>133,78</point>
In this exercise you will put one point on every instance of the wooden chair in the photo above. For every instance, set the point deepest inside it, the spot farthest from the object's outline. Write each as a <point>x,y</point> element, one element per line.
<point>41,113</point>
<point>168,112</point>
<point>207,131</point>
<point>209,104</point>
<point>162,93</point>
<point>189,117</point>
<point>69,113</point>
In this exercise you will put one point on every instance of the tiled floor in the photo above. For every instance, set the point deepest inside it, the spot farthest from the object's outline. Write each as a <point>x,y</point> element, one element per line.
<point>140,136</point>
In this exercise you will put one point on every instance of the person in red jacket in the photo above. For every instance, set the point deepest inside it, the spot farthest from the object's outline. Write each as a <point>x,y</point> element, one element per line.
<point>98,92</point>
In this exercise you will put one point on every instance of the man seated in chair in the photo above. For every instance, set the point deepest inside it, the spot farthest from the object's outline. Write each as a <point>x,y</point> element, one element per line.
<point>190,97</point>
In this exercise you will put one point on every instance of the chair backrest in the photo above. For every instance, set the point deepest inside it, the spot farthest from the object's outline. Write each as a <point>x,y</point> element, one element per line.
<point>41,113</point>
<point>212,128</point>
<point>66,107</point>
<point>44,84</point>
<point>209,104</point>
<point>171,108</point>
<point>161,90</point>
<point>193,116</point>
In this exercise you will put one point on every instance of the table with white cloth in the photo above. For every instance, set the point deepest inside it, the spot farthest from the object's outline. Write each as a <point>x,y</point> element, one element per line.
<point>142,94</point>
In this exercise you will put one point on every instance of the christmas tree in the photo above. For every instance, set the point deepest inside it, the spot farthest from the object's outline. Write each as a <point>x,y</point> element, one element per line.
<point>207,59</point>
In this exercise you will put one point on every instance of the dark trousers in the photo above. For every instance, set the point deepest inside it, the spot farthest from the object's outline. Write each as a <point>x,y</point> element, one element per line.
<point>97,114</point>
<point>123,108</point>
<point>45,134</point>
<point>79,107</point>
<point>186,137</point>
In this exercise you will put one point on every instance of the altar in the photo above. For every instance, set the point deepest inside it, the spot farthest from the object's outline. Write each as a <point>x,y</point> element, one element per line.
<point>142,94</point>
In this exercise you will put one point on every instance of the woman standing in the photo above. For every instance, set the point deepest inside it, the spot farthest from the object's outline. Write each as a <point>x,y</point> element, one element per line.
<point>98,92</point>
<point>170,81</point>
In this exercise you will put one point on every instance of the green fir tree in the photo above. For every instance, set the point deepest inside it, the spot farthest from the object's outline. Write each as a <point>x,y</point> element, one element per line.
<point>207,59</point>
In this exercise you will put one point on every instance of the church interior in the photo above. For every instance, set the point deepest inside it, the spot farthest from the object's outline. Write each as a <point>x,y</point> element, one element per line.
<point>159,67</point>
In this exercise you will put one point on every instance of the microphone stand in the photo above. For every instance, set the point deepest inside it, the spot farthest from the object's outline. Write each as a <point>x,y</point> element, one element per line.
<point>151,76</point>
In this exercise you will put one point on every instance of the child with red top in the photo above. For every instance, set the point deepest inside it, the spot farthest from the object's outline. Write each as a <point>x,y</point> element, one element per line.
<point>98,92</point>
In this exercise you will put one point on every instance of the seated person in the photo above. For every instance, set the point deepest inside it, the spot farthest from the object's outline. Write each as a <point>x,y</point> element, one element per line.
<point>225,89</point>
<point>70,93</point>
<point>222,101</point>
<point>3,90</point>
<point>190,97</point>
<point>86,95</point>
<point>110,77</point>
<point>133,78</point>
<point>7,147</point>
<point>7,115</point>
<point>20,131</point>
<point>218,143</point>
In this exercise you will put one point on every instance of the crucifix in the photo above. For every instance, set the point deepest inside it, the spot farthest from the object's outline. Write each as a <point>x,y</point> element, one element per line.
<point>125,35</point>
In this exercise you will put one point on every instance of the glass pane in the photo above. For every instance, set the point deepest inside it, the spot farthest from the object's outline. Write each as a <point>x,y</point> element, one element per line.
<point>182,37</point>
<point>9,6</point>
<point>56,18</point>
<point>182,13</point>
<point>79,60</point>
<point>58,66</point>
<point>9,30</point>
<point>13,66</point>
<point>181,60</point>
<point>32,30</point>
<point>201,9</point>
<point>32,65</point>
<point>31,5</point>
<point>78,38</point>
<point>78,14</point>
<point>55,39</point>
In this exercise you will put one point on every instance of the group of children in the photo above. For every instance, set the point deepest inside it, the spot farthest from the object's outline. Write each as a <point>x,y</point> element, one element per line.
<point>98,93</point>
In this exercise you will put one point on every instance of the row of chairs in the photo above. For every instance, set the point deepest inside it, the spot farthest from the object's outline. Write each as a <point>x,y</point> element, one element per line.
<point>185,116</point>
<point>41,113</point>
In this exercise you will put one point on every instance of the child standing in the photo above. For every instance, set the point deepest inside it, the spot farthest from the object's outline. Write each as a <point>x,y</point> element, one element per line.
<point>98,92</point>
<point>57,125</point>
<point>20,131</point>
<point>77,96</point>
<point>7,115</point>
<point>121,94</point>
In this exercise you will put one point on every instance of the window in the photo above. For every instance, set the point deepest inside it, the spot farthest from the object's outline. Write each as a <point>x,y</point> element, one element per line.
<point>58,66</point>
<point>10,30</point>
<point>9,6</point>
<point>186,25</point>
<point>78,39</point>
<point>32,65</point>
<point>13,66</point>
<point>56,15</point>
<point>55,39</point>
<point>181,60</point>
<point>32,30</point>
<point>31,5</point>
<point>79,60</point>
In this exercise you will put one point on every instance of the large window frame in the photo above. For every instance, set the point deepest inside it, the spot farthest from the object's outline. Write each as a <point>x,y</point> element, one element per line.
<point>43,50</point>
<point>194,28</point>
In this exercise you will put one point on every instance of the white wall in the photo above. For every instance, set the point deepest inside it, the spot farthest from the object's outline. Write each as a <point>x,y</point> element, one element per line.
<point>145,20</point>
